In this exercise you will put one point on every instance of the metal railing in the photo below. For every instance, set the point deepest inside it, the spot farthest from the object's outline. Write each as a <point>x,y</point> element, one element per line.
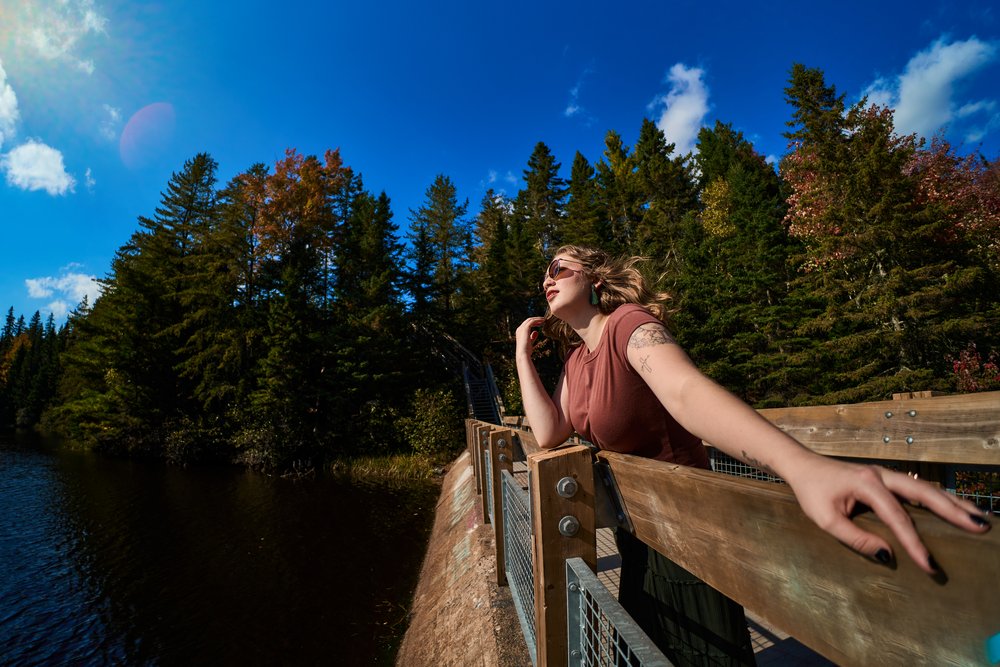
<point>517,556</point>
<point>979,484</point>
<point>600,631</point>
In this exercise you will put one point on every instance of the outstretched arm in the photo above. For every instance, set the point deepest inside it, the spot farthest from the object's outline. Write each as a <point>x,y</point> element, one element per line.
<point>828,490</point>
<point>546,414</point>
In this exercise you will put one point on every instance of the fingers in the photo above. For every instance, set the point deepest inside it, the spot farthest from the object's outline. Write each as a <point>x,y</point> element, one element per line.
<point>883,498</point>
<point>525,337</point>
<point>948,506</point>
<point>865,543</point>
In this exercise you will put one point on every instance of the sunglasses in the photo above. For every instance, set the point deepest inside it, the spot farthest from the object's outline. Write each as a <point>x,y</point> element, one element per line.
<point>556,269</point>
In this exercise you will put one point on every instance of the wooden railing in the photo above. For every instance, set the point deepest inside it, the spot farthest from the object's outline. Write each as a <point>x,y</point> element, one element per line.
<point>750,540</point>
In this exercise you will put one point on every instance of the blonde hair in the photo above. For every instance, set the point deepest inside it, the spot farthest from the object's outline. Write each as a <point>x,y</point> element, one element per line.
<point>621,283</point>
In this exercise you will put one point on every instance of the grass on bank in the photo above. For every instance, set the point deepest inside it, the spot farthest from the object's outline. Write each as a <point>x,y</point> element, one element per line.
<point>389,468</point>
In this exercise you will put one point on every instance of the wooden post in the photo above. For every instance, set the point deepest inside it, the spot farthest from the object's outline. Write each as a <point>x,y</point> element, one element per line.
<point>501,458</point>
<point>557,511</point>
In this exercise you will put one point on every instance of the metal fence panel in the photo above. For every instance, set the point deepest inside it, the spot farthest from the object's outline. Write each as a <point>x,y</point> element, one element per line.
<point>600,631</point>
<point>488,482</point>
<point>517,550</point>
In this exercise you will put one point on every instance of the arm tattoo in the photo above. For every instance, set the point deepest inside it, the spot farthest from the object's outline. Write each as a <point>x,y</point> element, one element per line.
<point>645,364</point>
<point>751,461</point>
<point>648,335</point>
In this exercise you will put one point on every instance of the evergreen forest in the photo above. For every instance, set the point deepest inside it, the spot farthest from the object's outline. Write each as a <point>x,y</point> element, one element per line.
<point>288,318</point>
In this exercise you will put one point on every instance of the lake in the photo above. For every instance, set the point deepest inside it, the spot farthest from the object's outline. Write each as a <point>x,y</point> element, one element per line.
<point>107,561</point>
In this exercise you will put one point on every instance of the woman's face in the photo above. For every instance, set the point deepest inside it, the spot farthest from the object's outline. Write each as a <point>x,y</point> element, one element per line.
<point>565,283</point>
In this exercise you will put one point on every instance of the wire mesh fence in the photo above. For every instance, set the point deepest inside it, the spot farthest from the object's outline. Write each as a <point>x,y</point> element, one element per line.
<point>517,559</point>
<point>488,481</point>
<point>600,631</point>
<point>979,484</point>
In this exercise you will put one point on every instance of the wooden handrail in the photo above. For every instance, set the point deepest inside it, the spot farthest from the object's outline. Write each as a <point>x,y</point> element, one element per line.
<point>962,429</point>
<point>751,541</point>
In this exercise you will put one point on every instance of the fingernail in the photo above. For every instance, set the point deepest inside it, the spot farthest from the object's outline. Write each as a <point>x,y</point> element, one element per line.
<point>933,563</point>
<point>883,556</point>
<point>979,520</point>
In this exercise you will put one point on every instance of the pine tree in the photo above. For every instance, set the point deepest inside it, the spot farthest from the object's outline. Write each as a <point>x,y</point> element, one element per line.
<point>439,241</point>
<point>584,220</point>
<point>736,318</point>
<point>900,288</point>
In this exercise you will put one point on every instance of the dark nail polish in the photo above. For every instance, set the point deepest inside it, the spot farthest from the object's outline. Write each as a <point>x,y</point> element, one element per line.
<point>933,563</point>
<point>980,520</point>
<point>883,556</point>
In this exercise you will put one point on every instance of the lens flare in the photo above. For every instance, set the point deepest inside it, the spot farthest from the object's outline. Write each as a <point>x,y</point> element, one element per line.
<point>147,135</point>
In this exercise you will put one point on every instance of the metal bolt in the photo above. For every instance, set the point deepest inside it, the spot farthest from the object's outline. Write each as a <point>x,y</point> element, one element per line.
<point>503,458</point>
<point>575,653</point>
<point>888,415</point>
<point>501,443</point>
<point>912,413</point>
<point>569,526</point>
<point>885,439</point>
<point>909,439</point>
<point>574,587</point>
<point>567,487</point>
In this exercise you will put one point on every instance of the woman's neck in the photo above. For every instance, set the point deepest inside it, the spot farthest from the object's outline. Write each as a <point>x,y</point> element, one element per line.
<point>589,325</point>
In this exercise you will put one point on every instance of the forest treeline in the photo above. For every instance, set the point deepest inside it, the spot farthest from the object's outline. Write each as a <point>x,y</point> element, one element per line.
<point>283,317</point>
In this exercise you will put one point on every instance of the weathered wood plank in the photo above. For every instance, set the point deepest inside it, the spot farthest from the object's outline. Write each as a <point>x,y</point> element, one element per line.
<point>751,541</point>
<point>963,429</point>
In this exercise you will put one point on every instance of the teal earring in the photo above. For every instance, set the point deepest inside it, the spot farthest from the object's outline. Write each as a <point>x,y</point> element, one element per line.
<point>594,298</point>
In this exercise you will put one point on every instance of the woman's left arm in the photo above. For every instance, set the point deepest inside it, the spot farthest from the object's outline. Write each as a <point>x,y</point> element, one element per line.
<point>828,490</point>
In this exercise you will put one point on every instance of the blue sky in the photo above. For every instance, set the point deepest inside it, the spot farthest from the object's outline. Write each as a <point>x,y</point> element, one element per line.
<point>100,101</point>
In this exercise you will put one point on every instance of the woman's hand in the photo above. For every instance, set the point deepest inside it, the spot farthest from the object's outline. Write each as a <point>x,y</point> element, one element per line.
<point>829,491</point>
<point>526,336</point>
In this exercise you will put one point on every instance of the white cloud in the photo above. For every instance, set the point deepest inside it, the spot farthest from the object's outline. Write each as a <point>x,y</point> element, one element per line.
<point>8,108</point>
<point>88,179</point>
<point>685,107</point>
<point>68,288</point>
<point>35,166</point>
<point>923,95</point>
<point>59,27</point>
<point>573,106</point>
<point>111,123</point>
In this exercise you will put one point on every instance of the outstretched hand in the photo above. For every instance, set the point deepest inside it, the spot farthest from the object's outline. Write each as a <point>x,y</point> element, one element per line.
<point>829,491</point>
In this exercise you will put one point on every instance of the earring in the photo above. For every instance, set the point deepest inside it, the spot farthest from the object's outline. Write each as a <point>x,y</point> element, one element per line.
<point>594,298</point>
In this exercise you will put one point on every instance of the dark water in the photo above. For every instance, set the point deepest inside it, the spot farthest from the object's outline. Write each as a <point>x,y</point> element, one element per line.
<point>107,562</point>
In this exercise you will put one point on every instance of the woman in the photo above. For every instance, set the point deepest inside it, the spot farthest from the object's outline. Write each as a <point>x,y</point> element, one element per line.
<point>627,386</point>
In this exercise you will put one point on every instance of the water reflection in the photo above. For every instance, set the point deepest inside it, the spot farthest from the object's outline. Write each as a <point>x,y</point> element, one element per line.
<point>113,561</point>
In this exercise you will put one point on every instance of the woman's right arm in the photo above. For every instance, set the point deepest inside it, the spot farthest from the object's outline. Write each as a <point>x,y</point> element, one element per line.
<point>546,414</point>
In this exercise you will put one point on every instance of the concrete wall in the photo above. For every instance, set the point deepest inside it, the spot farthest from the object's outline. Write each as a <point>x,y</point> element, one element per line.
<point>459,617</point>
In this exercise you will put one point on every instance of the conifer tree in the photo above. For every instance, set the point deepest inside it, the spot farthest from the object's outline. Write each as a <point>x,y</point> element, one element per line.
<point>900,288</point>
<point>584,220</point>
<point>439,240</point>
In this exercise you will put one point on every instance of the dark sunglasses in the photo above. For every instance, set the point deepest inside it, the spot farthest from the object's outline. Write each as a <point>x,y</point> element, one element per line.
<point>556,268</point>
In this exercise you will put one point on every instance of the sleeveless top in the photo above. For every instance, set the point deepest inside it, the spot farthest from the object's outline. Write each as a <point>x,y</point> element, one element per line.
<point>611,405</point>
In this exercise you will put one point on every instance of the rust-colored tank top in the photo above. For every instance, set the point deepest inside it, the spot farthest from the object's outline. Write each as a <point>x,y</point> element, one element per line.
<point>611,406</point>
